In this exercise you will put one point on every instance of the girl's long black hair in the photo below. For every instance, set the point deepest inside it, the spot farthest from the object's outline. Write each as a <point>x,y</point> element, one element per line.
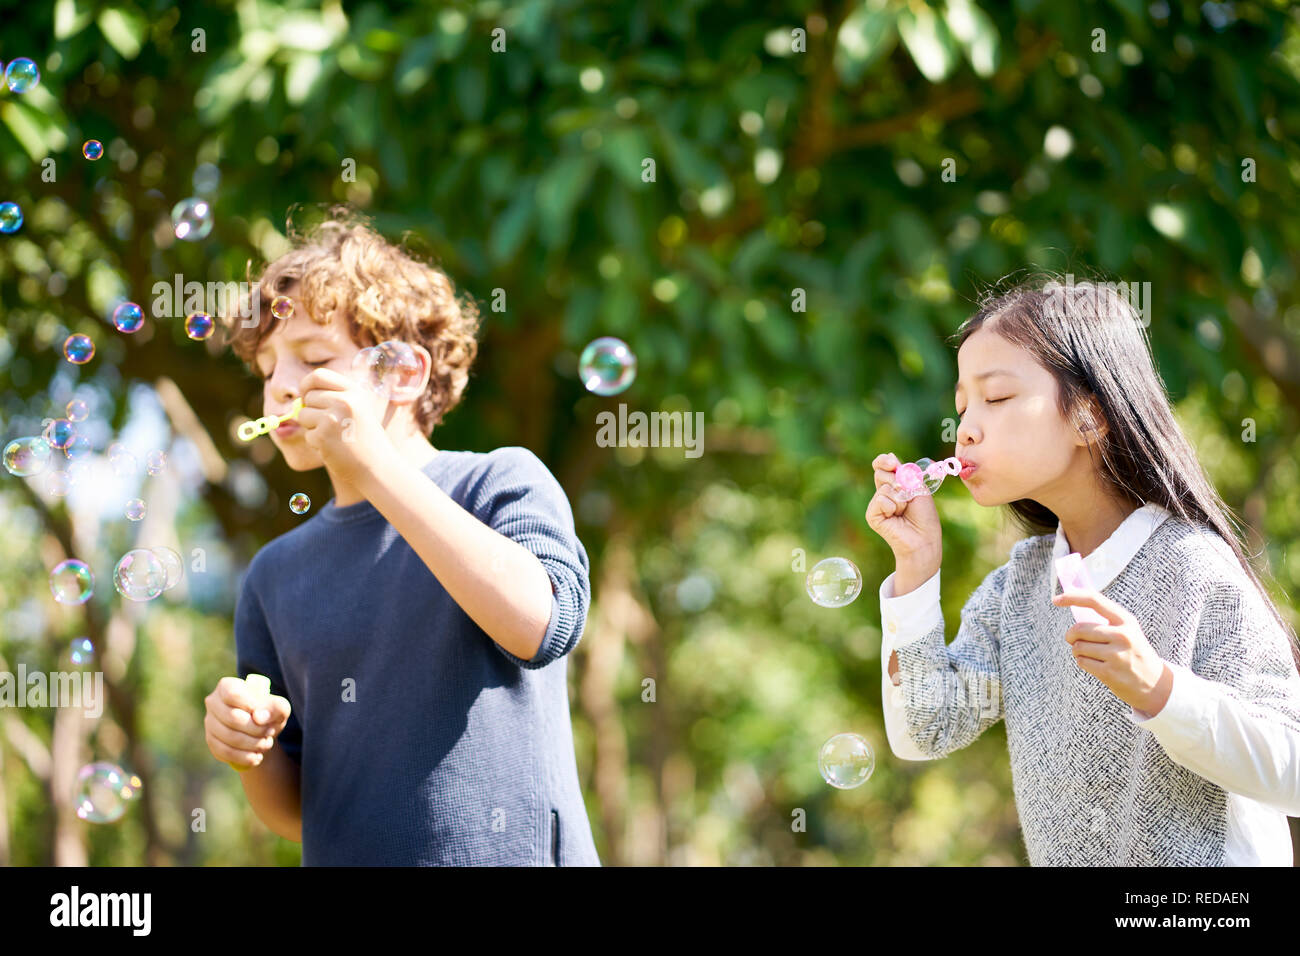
<point>1092,340</point>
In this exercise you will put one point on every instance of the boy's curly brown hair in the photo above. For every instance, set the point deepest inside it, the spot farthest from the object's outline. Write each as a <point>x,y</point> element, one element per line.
<point>341,265</point>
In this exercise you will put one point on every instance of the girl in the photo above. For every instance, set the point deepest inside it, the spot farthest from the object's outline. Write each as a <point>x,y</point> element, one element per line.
<point>1168,735</point>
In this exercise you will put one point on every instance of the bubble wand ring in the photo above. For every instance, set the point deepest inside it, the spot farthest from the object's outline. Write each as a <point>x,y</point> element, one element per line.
<point>923,477</point>
<point>268,423</point>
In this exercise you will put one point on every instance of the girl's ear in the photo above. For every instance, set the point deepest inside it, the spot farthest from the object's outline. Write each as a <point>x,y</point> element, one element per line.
<point>1091,423</point>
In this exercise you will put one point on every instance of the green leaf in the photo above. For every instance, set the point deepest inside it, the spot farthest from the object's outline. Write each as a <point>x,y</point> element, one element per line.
<point>928,40</point>
<point>864,37</point>
<point>976,33</point>
<point>415,65</point>
<point>511,227</point>
<point>37,132</point>
<point>70,18</point>
<point>558,192</point>
<point>123,30</point>
<point>623,150</point>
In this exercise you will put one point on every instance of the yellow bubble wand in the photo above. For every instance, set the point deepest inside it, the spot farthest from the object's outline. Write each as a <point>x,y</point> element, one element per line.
<point>268,423</point>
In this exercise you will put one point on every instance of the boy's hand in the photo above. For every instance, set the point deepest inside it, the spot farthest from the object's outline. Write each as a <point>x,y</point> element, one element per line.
<point>341,420</point>
<point>240,727</point>
<point>1117,653</point>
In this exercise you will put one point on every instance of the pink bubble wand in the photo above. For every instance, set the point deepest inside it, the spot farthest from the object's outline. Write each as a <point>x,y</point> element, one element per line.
<point>923,476</point>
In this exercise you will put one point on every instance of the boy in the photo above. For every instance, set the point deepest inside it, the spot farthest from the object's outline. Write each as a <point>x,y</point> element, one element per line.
<point>415,629</point>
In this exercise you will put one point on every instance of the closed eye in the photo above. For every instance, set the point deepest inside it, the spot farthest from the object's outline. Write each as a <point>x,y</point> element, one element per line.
<point>991,401</point>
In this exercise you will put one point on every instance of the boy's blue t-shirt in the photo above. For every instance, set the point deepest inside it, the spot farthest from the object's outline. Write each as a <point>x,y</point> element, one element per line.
<point>421,740</point>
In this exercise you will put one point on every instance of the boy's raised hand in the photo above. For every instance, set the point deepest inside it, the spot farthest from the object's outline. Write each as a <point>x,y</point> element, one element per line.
<point>910,528</point>
<point>340,418</point>
<point>240,727</point>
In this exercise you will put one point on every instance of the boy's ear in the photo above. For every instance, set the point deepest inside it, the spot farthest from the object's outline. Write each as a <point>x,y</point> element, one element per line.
<point>426,370</point>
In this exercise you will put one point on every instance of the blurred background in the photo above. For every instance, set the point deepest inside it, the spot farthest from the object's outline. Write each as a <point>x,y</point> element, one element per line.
<point>833,185</point>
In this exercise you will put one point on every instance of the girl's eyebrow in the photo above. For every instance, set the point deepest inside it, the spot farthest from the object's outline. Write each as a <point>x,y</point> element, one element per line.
<point>990,372</point>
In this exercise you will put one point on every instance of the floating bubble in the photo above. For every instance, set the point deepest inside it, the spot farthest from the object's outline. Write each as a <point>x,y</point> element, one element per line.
<point>282,307</point>
<point>135,509</point>
<point>79,447</point>
<point>11,217</point>
<point>25,457</point>
<point>834,582</point>
<point>155,462</point>
<point>128,317</point>
<point>192,219</point>
<point>198,326</point>
<point>103,792</point>
<point>123,461</point>
<point>78,349</point>
<point>71,582</point>
<point>77,410</point>
<point>22,75</point>
<point>391,368</point>
<point>78,469</point>
<point>172,567</point>
<point>58,483</point>
<point>299,503</point>
<point>92,149</point>
<point>59,432</point>
<point>81,652</point>
<point>607,366</point>
<point>846,761</point>
<point>140,575</point>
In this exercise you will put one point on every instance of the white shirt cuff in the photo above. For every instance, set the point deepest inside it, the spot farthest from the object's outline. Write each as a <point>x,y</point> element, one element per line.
<point>1188,708</point>
<point>912,616</point>
<point>904,620</point>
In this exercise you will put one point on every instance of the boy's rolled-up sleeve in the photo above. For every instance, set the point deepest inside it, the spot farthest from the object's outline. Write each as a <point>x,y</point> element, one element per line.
<point>255,654</point>
<point>521,499</point>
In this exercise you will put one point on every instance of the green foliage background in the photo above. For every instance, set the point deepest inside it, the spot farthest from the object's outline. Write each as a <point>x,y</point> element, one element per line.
<point>783,161</point>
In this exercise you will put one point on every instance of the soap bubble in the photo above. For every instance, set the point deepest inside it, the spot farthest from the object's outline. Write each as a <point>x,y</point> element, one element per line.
<point>78,468</point>
<point>25,457</point>
<point>140,575</point>
<point>607,366</point>
<point>22,75</point>
<point>11,217</point>
<point>103,792</point>
<point>58,483</point>
<point>71,582</point>
<point>92,149</point>
<point>78,349</point>
<point>192,219</point>
<point>81,652</point>
<point>282,307</point>
<point>172,567</point>
<point>77,410</point>
<point>128,317</point>
<point>155,462</point>
<point>846,761</point>
<point>389,368</point>
<point>834,582</point>
<point>123,461</point>
<point>79,447</point>
<point>59,432</point>
<point>198,326</point>
<point>135,509</point>
<point>299,503</point>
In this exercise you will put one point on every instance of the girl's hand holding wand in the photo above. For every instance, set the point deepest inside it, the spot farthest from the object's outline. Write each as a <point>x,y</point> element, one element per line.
<point>1117,653</point>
